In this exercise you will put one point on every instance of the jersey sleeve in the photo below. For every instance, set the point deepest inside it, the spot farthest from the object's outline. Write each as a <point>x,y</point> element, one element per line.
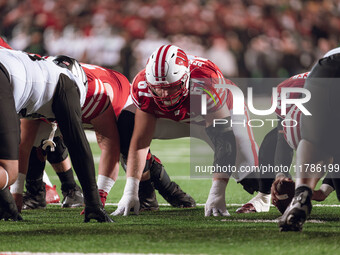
<point>3,44</point>
<point>296,81</point>
<point>206,76</point>
<point>138,83</point>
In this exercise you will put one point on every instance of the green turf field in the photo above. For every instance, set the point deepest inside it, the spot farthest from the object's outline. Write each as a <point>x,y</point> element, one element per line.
<point>180,231</point>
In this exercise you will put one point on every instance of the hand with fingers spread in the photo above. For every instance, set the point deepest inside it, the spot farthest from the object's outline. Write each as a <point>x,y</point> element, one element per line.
<point>215,204</point>
<point>130,198</point>
<point>282,193</point>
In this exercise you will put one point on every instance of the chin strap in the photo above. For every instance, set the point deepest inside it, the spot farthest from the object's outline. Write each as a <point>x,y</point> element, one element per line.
<point>49,142</point>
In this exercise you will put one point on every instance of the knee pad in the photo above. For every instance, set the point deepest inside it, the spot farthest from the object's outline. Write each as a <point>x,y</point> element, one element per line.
<point>60,153</point>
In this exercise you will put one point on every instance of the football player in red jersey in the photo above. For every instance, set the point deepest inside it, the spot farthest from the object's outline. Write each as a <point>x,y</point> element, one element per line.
<point>163,94</point>
<point>34,88</point>
<point>318,148</point>
<point>107,93</point>
<point>275,149</point>
<point>278,145</point>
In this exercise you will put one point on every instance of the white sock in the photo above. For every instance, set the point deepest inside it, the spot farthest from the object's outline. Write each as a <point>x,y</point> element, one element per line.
<point>47,180</point>
<point>18,186</point>
<point>105,183</point>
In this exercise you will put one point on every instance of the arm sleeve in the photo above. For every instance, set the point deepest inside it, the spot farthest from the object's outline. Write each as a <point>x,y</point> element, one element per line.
<point>66,107</point>
<point>223,139</point>
<point>283,152</point>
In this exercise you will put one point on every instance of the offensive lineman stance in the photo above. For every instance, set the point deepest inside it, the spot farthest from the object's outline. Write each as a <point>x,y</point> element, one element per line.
<point>106,96</point>
<point>161,95</point>
<point>320,137</point>
<point>57,94</point>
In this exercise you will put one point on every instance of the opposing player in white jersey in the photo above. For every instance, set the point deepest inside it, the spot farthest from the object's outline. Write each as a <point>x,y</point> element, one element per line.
<point>33,88</point>
<point>161,95</point>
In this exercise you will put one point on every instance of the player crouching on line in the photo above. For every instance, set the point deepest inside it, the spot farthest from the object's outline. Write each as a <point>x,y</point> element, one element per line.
<point>319,139</point>
<point>162,94</point>
<point>34,88</point>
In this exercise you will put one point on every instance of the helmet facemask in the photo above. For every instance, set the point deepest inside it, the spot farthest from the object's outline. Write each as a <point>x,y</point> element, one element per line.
<point>172,101</point>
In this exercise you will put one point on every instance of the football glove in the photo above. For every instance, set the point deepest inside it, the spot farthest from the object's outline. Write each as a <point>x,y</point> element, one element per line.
<point>215,204</point>
<point>130,198</point>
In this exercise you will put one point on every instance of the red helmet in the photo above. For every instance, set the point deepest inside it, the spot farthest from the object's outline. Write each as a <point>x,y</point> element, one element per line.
<point>168,67</point>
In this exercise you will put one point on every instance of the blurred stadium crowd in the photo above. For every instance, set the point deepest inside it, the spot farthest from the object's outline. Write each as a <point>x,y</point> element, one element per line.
<point>248,38</point>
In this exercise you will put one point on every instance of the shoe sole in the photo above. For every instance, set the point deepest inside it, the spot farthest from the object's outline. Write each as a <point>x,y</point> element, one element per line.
<point>294,222</point>
<point>31,208</point>
<point>183,206</point>
<point>72,206</point>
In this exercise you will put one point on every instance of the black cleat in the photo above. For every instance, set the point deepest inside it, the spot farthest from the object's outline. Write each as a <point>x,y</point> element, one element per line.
<point>8,208</point>
<point>35,196</point>
<point>73,198</point>
<point>97,213</point>
<point>147,197</point>
<point>176,197</point>
<point>168,189</point>
<point>297,212</point>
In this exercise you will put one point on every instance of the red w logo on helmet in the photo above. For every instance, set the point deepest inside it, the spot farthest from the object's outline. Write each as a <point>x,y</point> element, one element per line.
<point>182,58</point>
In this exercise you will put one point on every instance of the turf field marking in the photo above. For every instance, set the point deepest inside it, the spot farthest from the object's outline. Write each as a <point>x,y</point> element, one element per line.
<point>231,205</point>
<point>268,221</point>
<point>75,253</point>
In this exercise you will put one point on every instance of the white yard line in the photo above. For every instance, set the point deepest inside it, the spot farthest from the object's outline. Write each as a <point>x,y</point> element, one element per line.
<point>268,221</point>
<point>75,253</point>
<point>165,204</point>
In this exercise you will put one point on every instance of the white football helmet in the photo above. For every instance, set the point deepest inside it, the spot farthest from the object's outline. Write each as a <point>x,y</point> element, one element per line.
<point>168,67</point>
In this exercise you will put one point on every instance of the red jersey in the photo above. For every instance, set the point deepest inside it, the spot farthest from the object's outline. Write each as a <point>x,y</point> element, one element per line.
<point>203,76</point>
<point>296,81</point>
<point>291,128</point>
<point>97,96</point>
<point>3,44</point>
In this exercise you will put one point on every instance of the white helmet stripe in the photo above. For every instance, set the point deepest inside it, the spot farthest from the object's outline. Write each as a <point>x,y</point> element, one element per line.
<point>160,60</point>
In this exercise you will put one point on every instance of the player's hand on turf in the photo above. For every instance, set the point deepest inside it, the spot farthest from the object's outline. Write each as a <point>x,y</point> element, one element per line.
<point>322,193</point>
<point>318,195</point>
<point>215,205</point>
<point>128,202</point>
<point>130,198</point>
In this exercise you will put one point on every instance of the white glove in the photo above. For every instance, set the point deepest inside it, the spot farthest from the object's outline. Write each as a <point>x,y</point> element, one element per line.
<point>215,204</point>
<point>130,198</point>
